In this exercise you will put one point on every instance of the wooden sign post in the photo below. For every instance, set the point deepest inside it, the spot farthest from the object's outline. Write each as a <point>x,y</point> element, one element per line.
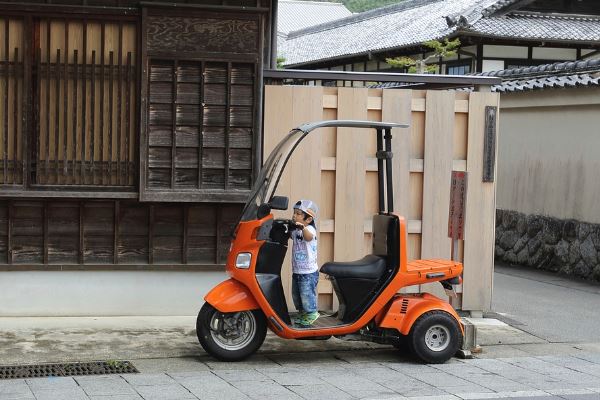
<point>456,223</point>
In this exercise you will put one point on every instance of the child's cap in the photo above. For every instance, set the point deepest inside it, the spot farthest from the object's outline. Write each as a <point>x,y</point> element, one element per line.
<point>309,207</point>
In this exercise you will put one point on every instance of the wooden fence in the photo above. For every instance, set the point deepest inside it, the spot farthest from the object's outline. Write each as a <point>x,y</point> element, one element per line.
<point>338,169</point>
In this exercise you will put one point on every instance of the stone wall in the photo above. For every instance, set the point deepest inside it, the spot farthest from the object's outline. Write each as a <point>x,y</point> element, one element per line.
<point>569,247</point>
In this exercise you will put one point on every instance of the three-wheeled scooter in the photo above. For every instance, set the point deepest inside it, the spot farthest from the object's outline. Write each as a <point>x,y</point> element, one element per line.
<point>233,321</point>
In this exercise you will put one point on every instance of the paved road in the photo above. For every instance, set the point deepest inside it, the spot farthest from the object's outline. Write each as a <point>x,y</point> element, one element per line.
<point>548,306</point>
<point>376,374</point>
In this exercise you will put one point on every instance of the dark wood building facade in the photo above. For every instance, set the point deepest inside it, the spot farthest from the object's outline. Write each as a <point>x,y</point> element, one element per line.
<point>129,131</point>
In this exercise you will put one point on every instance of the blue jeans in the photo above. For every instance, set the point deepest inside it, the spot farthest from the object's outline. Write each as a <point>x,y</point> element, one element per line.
<point>304,291</point>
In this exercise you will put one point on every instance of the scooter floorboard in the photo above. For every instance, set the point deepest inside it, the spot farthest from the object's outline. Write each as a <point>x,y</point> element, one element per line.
<point>324,321</point>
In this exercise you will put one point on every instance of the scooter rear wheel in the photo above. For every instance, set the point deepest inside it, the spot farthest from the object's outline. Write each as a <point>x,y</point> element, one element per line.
<point>230,336</point>
<point>435,337</point>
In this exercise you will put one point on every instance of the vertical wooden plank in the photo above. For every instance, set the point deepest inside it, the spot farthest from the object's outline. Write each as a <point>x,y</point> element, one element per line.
<point>174,123</point>
<point>279,114</point>
<point>75,105</point>
<point>57,116</point>
<point>116,233</point>
<point>227,124</point>
<point>27,127</point>
<point>305,163</point>
<point>110,117</point>
<point>120,93</point>
<point>66,101</point>
<point>48,75</point>
<point>101,119</point>
<point>127,118</point>
<point>37,106</point>
<point>102,104</point>
<point>350,177</point>
<point>83,103</point>
<point>92,115</point>
<point>437,170</point>
<point>6,80</point>
<point>143,90</point>
<point>396,107</point>
<point>200,125</point>
<point>17,134</point>
<point>480,214</point>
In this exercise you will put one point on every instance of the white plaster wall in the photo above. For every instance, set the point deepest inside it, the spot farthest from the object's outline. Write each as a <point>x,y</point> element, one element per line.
<point>492,65</point>
<point>548,154</point>
<point>490,50</point>
<point>104,293</point>
<point>550,53</point>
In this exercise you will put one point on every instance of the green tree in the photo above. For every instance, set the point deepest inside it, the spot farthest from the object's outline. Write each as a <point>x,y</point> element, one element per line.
<point>280,61</point>
<point>447,48</point>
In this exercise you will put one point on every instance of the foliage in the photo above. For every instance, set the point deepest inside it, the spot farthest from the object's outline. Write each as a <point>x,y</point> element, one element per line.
<point>280,61</point>
<point>447,48</point>
<point>364,5</point>
<point>357,6</point>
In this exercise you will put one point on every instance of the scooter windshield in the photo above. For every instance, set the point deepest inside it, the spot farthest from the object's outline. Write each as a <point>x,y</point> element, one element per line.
<point>268,178</point>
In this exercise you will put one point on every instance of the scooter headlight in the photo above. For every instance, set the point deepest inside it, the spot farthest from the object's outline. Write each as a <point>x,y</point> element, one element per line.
<point>243,260</point>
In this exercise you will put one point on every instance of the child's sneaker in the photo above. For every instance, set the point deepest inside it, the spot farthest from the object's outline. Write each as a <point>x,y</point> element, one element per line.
<point>309,318</point>
<point>298,318</point>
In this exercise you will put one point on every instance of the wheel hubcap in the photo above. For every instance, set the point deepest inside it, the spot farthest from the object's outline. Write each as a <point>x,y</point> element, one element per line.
<point>232,331</point>
<point>437,338</point>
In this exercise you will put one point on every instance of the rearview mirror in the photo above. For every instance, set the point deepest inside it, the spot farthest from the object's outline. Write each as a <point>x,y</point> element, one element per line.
<point>279,203</point>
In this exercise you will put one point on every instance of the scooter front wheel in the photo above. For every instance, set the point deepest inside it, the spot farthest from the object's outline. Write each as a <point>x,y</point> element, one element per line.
<point>230,336</point>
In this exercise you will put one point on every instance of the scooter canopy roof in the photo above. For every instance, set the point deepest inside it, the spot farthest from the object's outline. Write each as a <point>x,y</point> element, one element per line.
<point>268,178</point>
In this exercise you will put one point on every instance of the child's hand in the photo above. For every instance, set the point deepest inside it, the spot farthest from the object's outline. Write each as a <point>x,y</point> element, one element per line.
<point>299,225</point>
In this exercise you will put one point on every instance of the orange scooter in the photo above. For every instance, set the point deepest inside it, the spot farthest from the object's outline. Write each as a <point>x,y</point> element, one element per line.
<point>232,323</point>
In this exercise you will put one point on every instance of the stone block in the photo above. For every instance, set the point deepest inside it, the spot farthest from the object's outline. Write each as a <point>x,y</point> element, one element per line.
<point>533,245</point>
<point>510,257</point>
<point>509,239</point>
<point>562,251</point>
<point>552,231</point>
<point>582,270</point>
<point>523,257</point>
<point>534,224</point>
<point>583,230</point>
<point>574,253</point>
<point>588,251</point>
<point>520,244</point>
<point>570,229</point>
<point>509,219</point>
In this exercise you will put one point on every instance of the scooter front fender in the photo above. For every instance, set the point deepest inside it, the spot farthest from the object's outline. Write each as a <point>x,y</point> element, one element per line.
<point>231,296</point>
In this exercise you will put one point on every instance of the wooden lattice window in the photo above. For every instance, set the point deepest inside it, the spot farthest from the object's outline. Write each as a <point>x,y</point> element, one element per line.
<point>200,125</point>
<point>68,102</point>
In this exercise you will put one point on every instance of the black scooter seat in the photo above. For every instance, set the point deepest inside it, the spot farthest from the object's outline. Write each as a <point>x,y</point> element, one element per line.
<point>368,267</point>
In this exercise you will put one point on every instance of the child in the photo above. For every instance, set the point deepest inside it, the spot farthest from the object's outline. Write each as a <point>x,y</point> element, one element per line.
<point>305,271</point>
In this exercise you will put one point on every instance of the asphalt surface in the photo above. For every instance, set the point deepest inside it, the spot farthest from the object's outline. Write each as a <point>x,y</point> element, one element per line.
<point>546,305</point>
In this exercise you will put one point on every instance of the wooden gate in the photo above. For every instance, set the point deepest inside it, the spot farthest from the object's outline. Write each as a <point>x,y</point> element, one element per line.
<point>338,169</point>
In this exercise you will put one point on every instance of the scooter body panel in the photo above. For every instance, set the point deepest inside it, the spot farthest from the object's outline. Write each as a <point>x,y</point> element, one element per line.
<point>231,296</point>
<point>406,309</point>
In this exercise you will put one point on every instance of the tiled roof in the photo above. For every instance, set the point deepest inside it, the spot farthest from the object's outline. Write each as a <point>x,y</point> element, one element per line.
<point>294,15</point>
<point>407,23</point>
<point>548,76</point>
<point>412,22</point>
<point>540,26</point>
<point>556,75</point>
